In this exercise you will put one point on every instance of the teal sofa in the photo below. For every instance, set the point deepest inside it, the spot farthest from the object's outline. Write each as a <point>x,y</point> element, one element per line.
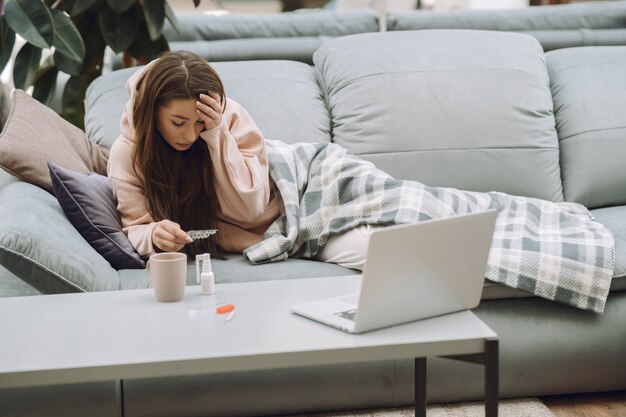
<point>472,109</point>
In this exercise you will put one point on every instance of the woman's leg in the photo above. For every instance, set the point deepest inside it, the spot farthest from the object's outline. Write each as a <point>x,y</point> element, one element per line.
<point>349,248</point>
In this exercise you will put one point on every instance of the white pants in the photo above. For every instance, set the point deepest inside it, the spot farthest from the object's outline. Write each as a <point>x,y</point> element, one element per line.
<point>348,249</point>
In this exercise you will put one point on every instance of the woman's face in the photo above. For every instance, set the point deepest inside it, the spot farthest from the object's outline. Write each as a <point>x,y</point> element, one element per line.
<point>179,123</point>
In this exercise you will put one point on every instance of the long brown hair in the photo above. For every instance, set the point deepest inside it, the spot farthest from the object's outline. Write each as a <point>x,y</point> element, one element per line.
<point>178,185</point>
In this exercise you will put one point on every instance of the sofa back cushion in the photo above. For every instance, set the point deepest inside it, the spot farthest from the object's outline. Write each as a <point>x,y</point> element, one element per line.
<point>283,98</point>
<point>104,103</point>
<point>588,86</point>
<point>558,26</point>
<point>247,36</point>
<point>305,23</point>
<point>464,109</point>
<point>292,49</point>
<point>250,36</point>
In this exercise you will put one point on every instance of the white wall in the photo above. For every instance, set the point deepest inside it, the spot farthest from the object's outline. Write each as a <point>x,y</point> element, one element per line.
<point>473,4</point>
<point>381,6</point>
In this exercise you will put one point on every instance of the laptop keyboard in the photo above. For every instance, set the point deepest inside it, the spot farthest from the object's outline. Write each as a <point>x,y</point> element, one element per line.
<point>347,314</point>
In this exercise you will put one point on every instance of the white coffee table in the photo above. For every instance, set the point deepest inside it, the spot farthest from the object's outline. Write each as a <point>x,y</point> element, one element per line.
<point>70,338</point>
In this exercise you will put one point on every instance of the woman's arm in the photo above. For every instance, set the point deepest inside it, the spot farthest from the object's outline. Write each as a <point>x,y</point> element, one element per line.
<point>237,150</point>
<point>136,221</point>
<point>146,235</point>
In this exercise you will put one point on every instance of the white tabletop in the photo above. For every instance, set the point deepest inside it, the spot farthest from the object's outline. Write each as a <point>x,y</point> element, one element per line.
<point>128,334</point>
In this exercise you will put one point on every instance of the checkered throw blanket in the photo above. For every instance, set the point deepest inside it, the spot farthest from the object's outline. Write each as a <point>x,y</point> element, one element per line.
<point>552,250</point>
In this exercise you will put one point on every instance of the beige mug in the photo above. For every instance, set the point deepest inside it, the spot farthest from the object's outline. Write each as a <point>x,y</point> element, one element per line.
<point>168,272</point>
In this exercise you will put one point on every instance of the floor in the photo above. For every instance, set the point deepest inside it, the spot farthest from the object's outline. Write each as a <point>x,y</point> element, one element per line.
<point>588,405</point>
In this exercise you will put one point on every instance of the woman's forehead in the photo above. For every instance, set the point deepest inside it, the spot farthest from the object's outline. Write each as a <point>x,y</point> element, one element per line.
<point>182,107</point>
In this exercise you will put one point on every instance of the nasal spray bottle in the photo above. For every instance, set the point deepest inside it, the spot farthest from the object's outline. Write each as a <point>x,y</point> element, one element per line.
<point>204,274</point>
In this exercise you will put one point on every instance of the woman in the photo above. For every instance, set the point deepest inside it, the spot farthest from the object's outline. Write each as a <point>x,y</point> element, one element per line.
<point>189,158</point>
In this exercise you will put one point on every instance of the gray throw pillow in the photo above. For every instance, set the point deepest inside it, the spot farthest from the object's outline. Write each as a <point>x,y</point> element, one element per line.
<point>89,204</point>
<point>34,134</point>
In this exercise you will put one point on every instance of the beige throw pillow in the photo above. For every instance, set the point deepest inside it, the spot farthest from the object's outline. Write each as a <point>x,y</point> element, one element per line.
<point>34,134</point>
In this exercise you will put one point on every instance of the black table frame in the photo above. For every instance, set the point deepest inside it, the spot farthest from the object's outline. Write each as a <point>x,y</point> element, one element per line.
<point>489,359</point>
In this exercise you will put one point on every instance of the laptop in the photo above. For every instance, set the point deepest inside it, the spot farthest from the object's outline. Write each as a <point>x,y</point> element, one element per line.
<point>413,272</point>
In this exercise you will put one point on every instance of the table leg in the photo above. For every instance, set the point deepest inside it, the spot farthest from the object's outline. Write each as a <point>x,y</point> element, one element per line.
<point>490,360</point>
<point>420,387</point>
<point>491,377</point>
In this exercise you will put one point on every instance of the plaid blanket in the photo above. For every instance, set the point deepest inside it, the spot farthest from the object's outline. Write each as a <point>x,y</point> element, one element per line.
<point>552,250</point>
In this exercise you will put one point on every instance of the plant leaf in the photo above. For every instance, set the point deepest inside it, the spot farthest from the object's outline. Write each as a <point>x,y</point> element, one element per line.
<point>73,106</point>
<point>26,66</point>
<point>196,3</point>
<point>171,17</point>
<point>67,39</point>
<point>66,65</point>
<point>94,58</point>
<point>118,30</point>
<point>120,6</point>
<point>45,85</point>
<point>154,12</point>
<point>7,41</point>
<point>32,20</point>
<point>143,48</point>
<point>73,103</point>
<point>68,5</point>
<point>80,6</point>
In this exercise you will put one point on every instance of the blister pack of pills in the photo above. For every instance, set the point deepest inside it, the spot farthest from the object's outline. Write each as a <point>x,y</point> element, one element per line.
<point>201,234</point>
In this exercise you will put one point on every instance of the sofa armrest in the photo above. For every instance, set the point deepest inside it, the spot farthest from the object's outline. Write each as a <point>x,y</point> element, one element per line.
<point>6,178</point>
<point>40,245</point>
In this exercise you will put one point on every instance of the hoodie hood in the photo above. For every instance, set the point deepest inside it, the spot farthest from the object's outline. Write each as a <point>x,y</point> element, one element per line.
<point>126,122</point>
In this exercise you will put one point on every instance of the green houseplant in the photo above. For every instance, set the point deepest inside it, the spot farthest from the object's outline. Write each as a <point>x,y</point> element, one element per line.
<point>76,33</point>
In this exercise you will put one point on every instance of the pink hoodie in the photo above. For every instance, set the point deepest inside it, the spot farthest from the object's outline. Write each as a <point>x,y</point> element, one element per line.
<point>237,147</point>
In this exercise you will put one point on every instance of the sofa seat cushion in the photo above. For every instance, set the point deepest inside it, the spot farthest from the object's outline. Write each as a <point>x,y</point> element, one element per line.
<point>238,269</point>
<point>588,87</point>
<point>40,245</point>
<point>451,108</point>
<point>283,98</point>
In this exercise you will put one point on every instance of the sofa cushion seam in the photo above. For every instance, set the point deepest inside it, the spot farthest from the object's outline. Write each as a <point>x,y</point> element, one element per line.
<point>584,132</point>
<point>43,267</point>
